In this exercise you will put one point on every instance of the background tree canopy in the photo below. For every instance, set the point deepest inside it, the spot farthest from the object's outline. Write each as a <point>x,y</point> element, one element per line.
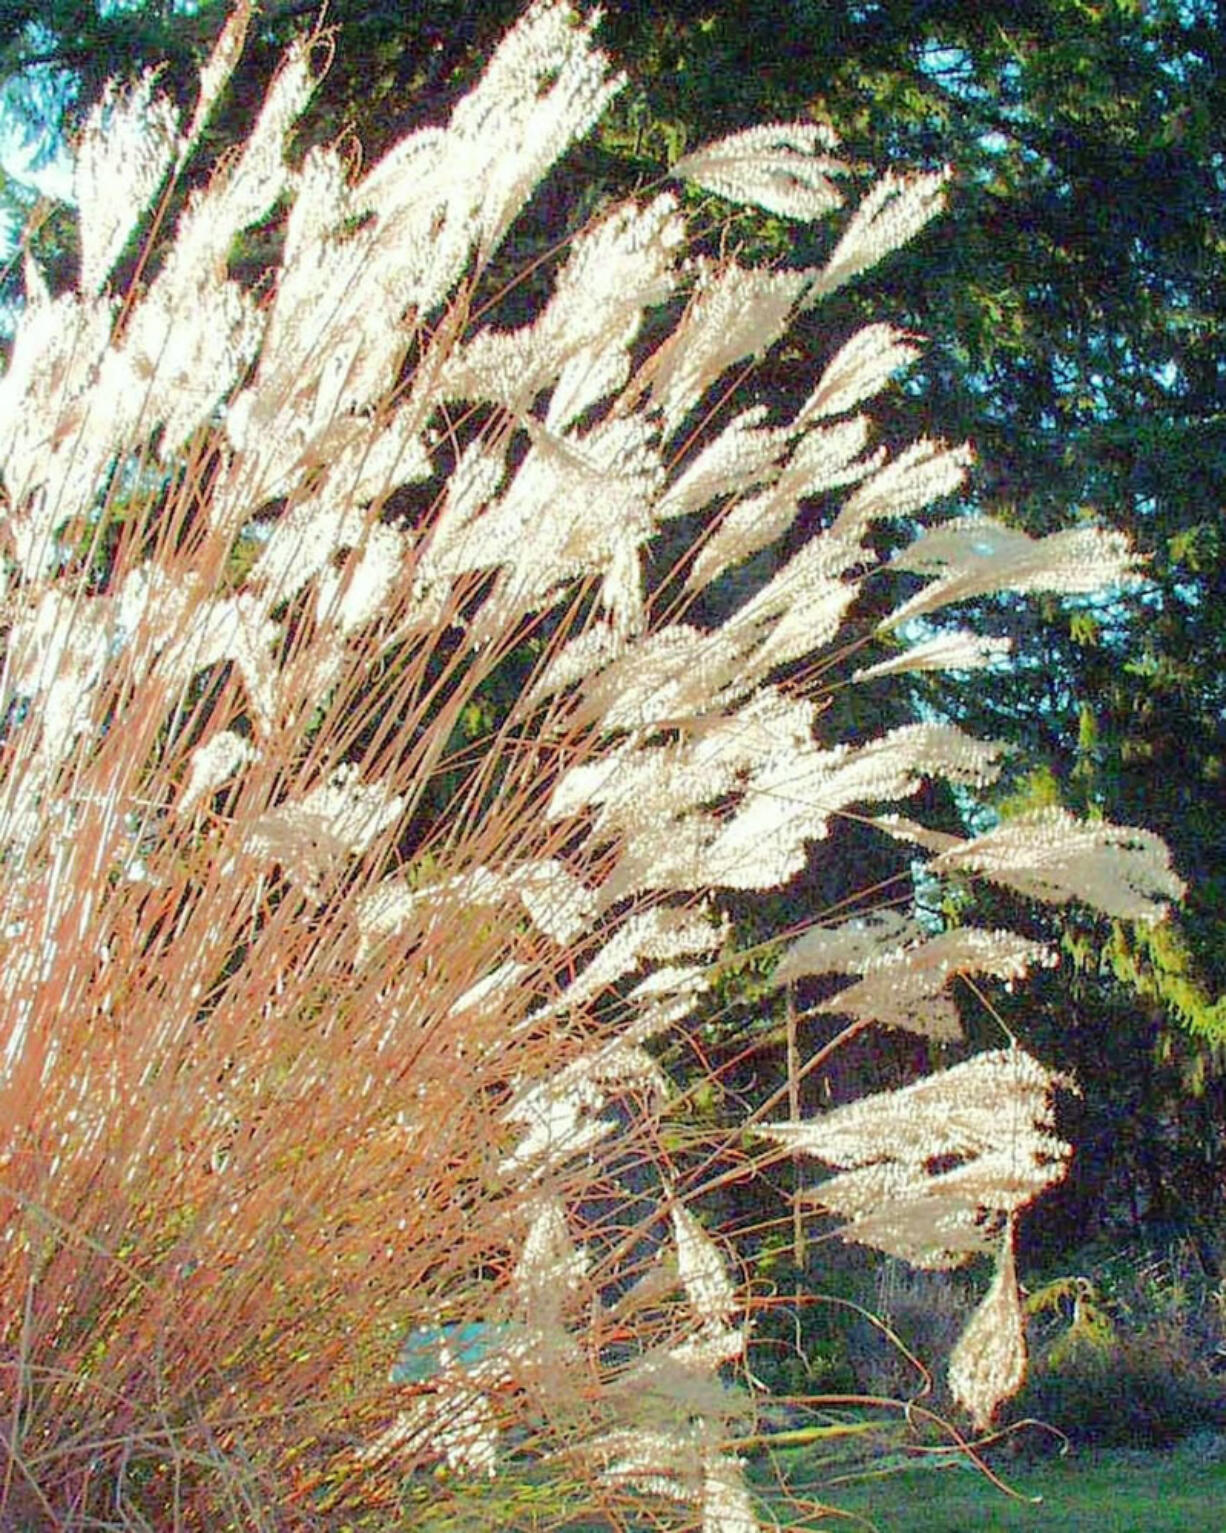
<point>1074,302</point>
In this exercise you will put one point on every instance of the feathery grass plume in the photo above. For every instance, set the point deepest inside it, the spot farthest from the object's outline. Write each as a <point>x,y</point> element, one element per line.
<point>364,804</point>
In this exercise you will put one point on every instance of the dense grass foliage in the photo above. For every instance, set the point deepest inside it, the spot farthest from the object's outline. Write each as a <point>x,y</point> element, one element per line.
<point>370,784</point>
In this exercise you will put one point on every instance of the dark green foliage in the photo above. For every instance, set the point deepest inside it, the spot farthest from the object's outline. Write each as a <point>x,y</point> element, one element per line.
<point>803,1342</point>
<point>1128,1355</point>
<point>1134,1395</point>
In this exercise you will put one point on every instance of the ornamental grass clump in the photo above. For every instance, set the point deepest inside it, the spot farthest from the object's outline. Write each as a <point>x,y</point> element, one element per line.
<point>365,799</point>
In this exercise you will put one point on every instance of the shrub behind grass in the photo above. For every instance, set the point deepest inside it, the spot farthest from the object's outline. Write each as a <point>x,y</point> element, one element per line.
<point>1134,1394</point>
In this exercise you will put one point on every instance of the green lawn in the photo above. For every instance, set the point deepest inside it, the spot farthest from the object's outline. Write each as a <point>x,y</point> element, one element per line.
<point>1103,1493</point>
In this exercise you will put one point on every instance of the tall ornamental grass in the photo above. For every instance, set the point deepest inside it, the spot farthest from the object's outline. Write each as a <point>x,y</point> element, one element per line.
<point>388,696</point>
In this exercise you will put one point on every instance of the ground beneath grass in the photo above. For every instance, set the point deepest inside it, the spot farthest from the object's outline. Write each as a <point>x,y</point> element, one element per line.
<point>1179,1492</point>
